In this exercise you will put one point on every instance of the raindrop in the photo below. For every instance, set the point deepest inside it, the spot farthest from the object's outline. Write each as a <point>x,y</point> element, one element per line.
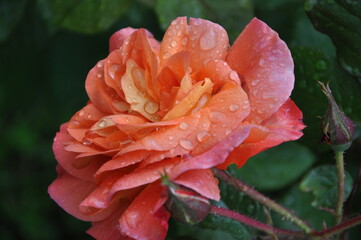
<point>102,123</point>
<point>100,64</point>
<point>151,107</point>
<point>81,113</point>
<point>167,55</point>
<point>203,135</point>
<point>255,82</point>
<point>187,145</point>
<point>228,131</point>
<point>184,41</point>
<point>208,40</point>
<point>112,70</point>
<point>261,62</point>
<point>216,116</point>
<point>233,107</point>
<point>233,76</point>
<point>171,138</point>
<point>184,126</point>
<point>89,115</point>
<point>174,43</point>
<point>99,75</point>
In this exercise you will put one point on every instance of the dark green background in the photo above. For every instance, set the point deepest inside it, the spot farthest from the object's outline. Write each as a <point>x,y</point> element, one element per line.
<point>47,49</point>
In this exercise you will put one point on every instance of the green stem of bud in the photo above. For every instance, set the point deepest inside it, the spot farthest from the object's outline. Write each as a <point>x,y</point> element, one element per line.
<point>340,186</point>
<point>224,176</point>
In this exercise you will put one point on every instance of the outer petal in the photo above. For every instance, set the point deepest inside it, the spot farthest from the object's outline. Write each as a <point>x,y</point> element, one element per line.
<point>69,192</point>
<point>117,39</point>
<point>201,181</point>
<point>203,40</point>
<point>109,228</point>
<point>285,125</point>
<point>266,66</point>
<point>66,158</point>
<point>146,218</point>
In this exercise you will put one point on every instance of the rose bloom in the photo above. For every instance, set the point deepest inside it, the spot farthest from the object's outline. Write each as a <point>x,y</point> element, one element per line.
<point>178,107</point>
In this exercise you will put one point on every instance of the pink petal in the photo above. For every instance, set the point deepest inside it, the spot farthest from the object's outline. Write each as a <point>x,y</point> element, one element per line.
<point>146,217</point>
<point>68,192</point>
<point>284,125</point>
<point>203,40</point>
<point>117,39</point>
<point>201,181</point>
<point>265,64</point>
<point>66,158</point>
<point>109,228</point>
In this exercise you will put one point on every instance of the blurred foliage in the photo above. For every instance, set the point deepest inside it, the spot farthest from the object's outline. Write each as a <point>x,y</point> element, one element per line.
<point>48,47</point>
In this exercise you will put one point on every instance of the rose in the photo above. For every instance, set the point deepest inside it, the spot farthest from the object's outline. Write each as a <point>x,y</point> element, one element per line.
<point>179,107</point>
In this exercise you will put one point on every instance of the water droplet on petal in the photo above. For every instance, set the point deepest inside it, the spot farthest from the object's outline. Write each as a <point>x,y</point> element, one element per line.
<point>255,82</point>
<point>81,113</point>
<point>99,75</point>
<point>100,64</point>
<point>151,107</point>
<point>184,126</point>
<point>167,55</point>
<point>261,62</point>
<point>184,41</point>
<point>171,138</point>
<point>112,70</point>
<point>216,117</point>
<point>173,44</point>
<point>208,40</point>
<point>233,107</point>
<point>228,131</point>
<point>187,145</point>
<point>233,76</point>
<point>203,135</point>
<point>102,123</point>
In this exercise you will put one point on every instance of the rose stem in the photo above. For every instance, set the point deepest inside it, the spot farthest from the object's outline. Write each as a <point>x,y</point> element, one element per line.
<point>252,222</point>
<point>340,186</point>
<point>224,176</point>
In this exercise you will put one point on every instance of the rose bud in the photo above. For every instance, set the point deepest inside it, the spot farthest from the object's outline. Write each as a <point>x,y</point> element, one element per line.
<point>337,128</point>
<point>184,204</point>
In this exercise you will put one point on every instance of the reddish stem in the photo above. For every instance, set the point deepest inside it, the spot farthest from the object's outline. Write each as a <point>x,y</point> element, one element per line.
<point>252,222</point>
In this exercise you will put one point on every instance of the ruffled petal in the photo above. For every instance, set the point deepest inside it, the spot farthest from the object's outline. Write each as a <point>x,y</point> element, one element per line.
<point>66,159</point>
<point>285,125</point>
<point>117,39</point>
<point>203,40</point>
<point>109,228</point>
<point>146,217</point>
<point>266,67</point>
<point>201,181</point>
<point>68,192</point>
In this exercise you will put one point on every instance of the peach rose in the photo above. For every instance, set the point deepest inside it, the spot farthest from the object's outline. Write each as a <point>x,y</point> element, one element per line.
<point>181,106</point>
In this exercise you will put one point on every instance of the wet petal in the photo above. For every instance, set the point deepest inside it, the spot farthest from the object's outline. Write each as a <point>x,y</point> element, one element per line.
<point>203,40</point>
<point>117,39</point>
<point>69,192</point>
<point>201,181</point>
<point>146,217</point>
<point>285,125</point>
<point>266,66</point>
<point>109,228</point>
<point>66,158</point>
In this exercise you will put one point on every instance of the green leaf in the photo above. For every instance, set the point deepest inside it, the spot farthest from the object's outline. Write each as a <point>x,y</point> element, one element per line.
<point>276,167</point>
<point>233,15</point>
<point>300,202</point>
<point>10,13</point>
<point>322,182</point>
<point>341,21</point>
<point>86,16</point>
<point>311,66</point>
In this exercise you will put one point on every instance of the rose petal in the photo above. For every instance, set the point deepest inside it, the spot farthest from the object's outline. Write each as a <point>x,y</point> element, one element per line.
<point>117,39</point>
<point>284,125</point>
<point>203,40</point>
<point>201,181</point>
<point>266,66</point>
<point>68,192</point>
<point>66,158</point>
<point>146,218</point>
<point>109,228</point>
